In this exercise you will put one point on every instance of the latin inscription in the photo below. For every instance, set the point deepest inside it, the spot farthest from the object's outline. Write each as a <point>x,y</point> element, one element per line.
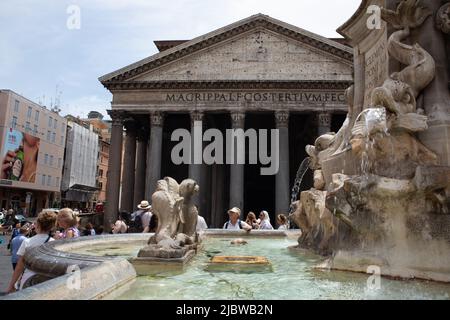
<point>256,97</point>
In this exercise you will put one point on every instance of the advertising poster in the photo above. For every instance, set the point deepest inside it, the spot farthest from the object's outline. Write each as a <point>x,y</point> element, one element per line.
<point>20,156</point>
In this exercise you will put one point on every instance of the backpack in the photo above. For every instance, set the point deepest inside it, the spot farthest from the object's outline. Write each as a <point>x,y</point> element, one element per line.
<point>136,224</point>
<point>239,224</point>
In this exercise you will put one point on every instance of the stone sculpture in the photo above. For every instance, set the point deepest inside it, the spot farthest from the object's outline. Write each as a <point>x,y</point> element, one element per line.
<point>177,219</point>
<point>391,207</point>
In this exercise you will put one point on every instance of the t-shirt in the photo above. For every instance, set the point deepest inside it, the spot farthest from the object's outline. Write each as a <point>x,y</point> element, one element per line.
<point>15,245</point>
<point>119,227</point>
<point>145,218</point>
<point>201,224</point>
<point>265,225</point>
<point>229,226</point>
<point>28,244</point>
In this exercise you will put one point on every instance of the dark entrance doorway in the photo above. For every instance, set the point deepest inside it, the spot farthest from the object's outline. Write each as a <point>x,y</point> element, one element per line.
<point>259,190</point>
<point>168,168</point>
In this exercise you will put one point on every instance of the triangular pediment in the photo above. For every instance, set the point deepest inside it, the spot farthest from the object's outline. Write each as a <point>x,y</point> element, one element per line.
<point>257,48</point>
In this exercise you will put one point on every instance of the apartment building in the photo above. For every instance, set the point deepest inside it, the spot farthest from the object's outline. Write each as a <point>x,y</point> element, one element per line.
<point>103,129</point>
<point>32,143</point>
<point>80,165</point>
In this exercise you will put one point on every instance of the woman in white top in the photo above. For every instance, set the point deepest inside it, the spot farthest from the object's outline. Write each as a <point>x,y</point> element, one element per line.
<point>45,223</point>
<point>282,222</point>
<point>265,221</point>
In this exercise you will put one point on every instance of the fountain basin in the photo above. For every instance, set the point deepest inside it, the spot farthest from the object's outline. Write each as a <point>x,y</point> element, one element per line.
<point>294,274</point>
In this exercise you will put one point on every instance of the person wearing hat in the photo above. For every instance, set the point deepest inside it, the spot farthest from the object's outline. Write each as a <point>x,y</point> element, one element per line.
<point>140,221</point>
<point>235,223</point>
<point>17,242</point>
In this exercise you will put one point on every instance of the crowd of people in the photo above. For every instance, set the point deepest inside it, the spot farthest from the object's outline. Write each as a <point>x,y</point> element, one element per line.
<point>65,224</point>
<point>252,223</point>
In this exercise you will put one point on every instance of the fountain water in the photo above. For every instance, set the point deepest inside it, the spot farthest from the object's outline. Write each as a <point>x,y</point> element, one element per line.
<point>302,169</point>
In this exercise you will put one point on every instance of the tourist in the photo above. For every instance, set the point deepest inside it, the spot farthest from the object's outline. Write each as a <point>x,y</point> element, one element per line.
<point>120,226</point>
<point>68,222</point>
<point>16,243</point>
<point>99,230</point>
<point>140,220</point>
<point>201,224</point>
<point>251,220</point>
<point>45,223</point>
<point>235,223</point>
<point>153,226</point>
<point>282,221</point>
<point>15,232</point>
<point>265,221</point>
<point>89,230</point>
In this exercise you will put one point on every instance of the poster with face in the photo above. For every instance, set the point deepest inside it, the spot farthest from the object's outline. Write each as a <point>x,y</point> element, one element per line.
<point>19,160</point>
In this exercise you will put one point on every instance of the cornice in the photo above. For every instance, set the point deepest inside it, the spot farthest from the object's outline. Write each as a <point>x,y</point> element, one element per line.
<point>229,85</point>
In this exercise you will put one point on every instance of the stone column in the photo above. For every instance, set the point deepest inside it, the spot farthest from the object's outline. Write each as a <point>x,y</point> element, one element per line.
<point>154,153</point>
<point>115,163</point>
<point>128,172</point>
<point>237,170</point>
<point>141,165</point>
<point>195,167</point>
<point>324,123</point>
<point>282,194</point>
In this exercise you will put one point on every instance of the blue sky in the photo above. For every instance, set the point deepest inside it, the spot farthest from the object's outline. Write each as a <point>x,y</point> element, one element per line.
<point>38,52</point>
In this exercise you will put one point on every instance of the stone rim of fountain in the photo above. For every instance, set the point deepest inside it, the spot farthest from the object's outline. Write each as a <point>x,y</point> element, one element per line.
<point>52,263</point>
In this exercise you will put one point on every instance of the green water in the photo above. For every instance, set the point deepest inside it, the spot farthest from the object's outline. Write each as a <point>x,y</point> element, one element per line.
<point>292,277</point>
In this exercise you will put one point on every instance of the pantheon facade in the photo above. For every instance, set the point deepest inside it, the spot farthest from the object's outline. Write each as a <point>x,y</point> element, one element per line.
<point>258,73</point>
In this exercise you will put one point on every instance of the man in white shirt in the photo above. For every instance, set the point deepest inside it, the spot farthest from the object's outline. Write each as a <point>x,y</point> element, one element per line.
<point>235,223</point>
<point>201,224</point>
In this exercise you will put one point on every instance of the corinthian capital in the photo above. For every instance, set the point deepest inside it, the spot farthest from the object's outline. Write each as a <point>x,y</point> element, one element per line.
<point>117,117</point>
<point>282,118</point>
<point>196,116</point>
<point>157,119</point>
<point>238,119</point>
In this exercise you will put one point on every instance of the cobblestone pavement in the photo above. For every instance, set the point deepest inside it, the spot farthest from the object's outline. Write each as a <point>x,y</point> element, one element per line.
<point>5,264</point>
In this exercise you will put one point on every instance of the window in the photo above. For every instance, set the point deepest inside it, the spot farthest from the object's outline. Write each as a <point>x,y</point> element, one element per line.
<point>27,127</point>
<point>14,122</point>
<point>62,140</point>
<point>49,135</point>
<point>100,173</point>
<point>53,137</point>
<point>51,161</point>
<point>36,115</point>
<point>57,182</point>
<point>50,122</point>
<point>44,178</point>
<point>63,127</point>
<point>100,185</point>
<point>35,131</point>
<point>49,180</point>
<point>16,106</point>
<point>46,159</point>
<point>29,112</point>
<point>55,124</point>
<point>59,162</point>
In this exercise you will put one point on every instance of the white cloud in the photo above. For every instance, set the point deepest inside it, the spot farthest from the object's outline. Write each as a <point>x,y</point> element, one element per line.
<point>83,105</point>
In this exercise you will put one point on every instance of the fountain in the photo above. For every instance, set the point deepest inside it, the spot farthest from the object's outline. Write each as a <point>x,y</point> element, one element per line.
<point>385,200</point>
<point>381,198</point>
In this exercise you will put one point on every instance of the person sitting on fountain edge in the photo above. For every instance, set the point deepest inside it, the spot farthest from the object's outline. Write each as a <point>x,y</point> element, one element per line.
<point>235,223</point>
<point>265,221</point>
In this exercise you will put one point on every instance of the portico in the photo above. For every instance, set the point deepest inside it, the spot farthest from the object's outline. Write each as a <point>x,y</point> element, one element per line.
<point>257,73</point>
